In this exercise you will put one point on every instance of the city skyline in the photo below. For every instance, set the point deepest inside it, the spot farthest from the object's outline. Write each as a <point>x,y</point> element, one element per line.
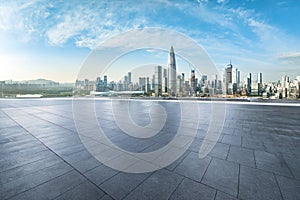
<point>168,82</point>
<point>51,40</point>
<point>150,99</point>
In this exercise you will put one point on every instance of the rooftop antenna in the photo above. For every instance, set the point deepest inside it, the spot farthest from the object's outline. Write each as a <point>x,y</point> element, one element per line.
<point>229,63</point>
<point>193,68</point>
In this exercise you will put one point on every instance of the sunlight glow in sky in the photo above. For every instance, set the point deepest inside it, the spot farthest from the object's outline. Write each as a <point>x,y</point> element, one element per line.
<point>51,39</point>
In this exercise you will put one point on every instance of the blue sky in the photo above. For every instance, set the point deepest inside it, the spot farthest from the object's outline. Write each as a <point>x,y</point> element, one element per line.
<point>51,39</point>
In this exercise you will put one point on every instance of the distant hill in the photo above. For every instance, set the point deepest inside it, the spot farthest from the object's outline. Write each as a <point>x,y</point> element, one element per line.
<point>35,89</point>
<point>40,82</point>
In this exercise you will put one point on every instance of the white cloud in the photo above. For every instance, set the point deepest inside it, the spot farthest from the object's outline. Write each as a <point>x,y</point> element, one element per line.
<point>270,39</point>
<point>26,20</point>
<point>202,1</point>
<point>89,26</point>
<point>290,59</point>
<point>289,55</point>
<point>91,23</point>
<point>225,32</point>
<point>71,26</point>
<point>220,1</point>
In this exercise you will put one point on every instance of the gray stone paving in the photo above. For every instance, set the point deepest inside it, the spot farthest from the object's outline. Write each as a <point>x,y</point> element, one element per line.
<point>42,157</point>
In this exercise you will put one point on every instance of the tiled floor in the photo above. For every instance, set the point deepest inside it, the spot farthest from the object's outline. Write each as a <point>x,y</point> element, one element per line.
<point>42,156</point>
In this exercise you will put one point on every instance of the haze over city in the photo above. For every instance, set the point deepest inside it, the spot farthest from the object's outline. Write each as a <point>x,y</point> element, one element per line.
<point>43,39</point>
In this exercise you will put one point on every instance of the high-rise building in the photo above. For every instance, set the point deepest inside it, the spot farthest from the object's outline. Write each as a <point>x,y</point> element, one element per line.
<point>255,84</point>
<point>148,86</point>
<point>129,77</point>
<point>214,81</point>
<point>214,84</point>
<point>99,85</point>
<point>120,86</point>
<point>249,81</point>
<point>234,80</point>
<point>179,85</point>
<point>153,82</point>
<point>165,74</point>
<point>158,80</point>
<point>105,82</point>
<point>229,73</point>
<point>231,80</point>
<point>285,80</point>
<point>165,81</point>
<point>227,79</point>
<point>182,76</point>
<point>183,84</point>
<point>193,82</point>
<point>125,87</point>
<point>142,84</point>
<point>88,85</point>
<point>172,73</point>
<point>203,79</point>
<point>260,78</point>
<point>260,83</point>
<point>224,79</point>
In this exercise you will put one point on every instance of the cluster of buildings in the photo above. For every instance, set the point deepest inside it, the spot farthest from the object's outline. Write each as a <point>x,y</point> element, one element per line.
<point>253,85</point>
<point>164,82</point>
<point>169,83</point>
<point>284,88</point>
<point>232,84</point>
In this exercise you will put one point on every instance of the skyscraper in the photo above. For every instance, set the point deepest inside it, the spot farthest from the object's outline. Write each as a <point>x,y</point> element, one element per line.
<point>249,82</point>
<point>260,78</point>
<point>183,84</point>
<point>260,83</point>
<point>129,77</point>
<point>105,83</point>
<point>214,83</point>
<point>158,80</point>
<point>148,86</point>
<point>142,84</point>
<point>153,82</point>
<point>193,82</point>
<point>179,85</point>
<point>165,81</point>
<point>172,72</point>
<point>99,85</point>
<point>238,77</point>
<point>285,80</point>
<point>231,79</point>
<point>125,87</point>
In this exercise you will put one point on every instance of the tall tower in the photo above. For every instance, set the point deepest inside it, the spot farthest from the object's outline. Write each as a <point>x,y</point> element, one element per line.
<point>172,72</point>
<point>193,82</point>
<point>158,80</point>
<point>129,77</point>
<point>165,81</point>
<point>260,83</point>
<point>105,83</point>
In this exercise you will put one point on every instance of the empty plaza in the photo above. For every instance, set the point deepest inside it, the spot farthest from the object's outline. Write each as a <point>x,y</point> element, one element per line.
<point>42,156</point>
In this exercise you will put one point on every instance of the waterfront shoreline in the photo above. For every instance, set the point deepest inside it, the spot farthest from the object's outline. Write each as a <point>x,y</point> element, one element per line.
<point>249,99</point>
